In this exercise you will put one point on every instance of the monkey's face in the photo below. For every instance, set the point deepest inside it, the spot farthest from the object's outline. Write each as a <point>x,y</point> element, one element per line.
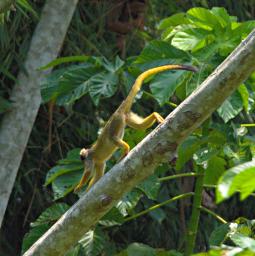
<point>87,159</point>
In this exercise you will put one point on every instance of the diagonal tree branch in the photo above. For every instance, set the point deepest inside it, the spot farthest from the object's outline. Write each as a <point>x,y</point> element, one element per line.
<point>156,148</point>
<point>17,124</point>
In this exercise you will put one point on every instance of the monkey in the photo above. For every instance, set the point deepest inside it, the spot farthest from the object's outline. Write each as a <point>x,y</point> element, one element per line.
<point>111,137</point>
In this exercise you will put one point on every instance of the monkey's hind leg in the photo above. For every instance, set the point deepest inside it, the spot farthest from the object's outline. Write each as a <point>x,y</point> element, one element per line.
<point>139,123</point>
<point>83,181</point>
<point>121,144</point>
<point>98,173</point>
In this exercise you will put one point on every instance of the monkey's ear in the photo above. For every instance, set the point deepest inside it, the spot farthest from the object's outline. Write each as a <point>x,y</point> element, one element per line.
<point>83,154</point>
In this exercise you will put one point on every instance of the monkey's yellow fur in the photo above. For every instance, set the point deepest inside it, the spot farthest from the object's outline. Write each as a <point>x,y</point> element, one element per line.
<point>111,136</point>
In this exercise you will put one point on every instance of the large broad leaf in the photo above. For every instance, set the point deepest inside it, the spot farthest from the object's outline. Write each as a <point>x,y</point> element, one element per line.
<point>231,107</point>
<point>240,178</point>
<point>204,18</point>
<point>192,39</point>
<point>102,85</point>
<point>129,201</point>
<point>174,20</point>
<point>137,249</point>
<point>33,235</point>
<point>93,242</point>
<point>150,187</point>
<point>243,241</point>
<point>51,214</point>
<point>158,53</point>
<point>65,184</point>
<point>215,168</point>
<point>112,218</point>
<point>67,165</point>
<point>186,151</point>
<point>43,223</point>
<point>219,235</point>
<point>164,85</point>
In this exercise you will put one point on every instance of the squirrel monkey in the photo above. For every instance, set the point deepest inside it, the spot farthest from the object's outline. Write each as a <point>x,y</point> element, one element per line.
<point>110,139</point>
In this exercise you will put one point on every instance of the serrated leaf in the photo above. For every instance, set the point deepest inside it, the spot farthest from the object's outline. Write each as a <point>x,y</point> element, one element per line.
<point>240,178</point>
<point>150,187</point>
<point>231,107</point>
<point>93,242</point>
<point>51,214</point>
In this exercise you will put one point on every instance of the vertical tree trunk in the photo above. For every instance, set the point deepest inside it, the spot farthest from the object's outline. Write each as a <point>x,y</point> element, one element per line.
<point>17,124</point>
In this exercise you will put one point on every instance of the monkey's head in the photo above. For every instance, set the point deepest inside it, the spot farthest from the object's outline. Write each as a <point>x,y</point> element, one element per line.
<point>86,157</point>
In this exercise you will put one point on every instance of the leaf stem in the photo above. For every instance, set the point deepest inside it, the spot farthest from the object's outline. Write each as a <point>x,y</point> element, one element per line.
<point>158,206</point>
<point>176,176</point>
<point>215,215</point>
<point>195,215</point>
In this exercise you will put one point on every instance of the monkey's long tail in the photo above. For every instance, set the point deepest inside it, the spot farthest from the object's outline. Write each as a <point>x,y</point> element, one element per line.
<point>139,81</point>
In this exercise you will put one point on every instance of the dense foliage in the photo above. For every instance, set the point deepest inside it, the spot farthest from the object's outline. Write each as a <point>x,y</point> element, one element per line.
<point>153,218</point>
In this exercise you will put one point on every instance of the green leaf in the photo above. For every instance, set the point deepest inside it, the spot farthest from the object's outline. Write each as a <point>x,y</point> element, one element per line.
<point>158,53</point>
<point>129,201</point>
<point>231,107</point>
<point>138,249</point>
<point>69,164</point>
<point>174,20</point>
<point>103,85</point>
<point>222,16</point>
<point>245,96</point>
<point>165,84</point>
<point>204,18</point>
<point>186,150</point>
<point>219,235</point>
<point>62,60</point>
<point>243,241</point>
<point>59,170</point>
<point>215,168</point>
<point>240,178</point>
<point>192,39</point>
<point>33,235</point>
<point>93,242</point>
<point>113,67</point>
<point>51,214</point>
<point>65,184</point>
<point>112,218</point>
<point>204,154</point>
<point>150,187</point>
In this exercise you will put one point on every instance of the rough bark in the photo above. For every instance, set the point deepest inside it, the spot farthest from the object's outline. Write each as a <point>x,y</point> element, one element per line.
<point>17,124</point>
<point>157,147</point>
